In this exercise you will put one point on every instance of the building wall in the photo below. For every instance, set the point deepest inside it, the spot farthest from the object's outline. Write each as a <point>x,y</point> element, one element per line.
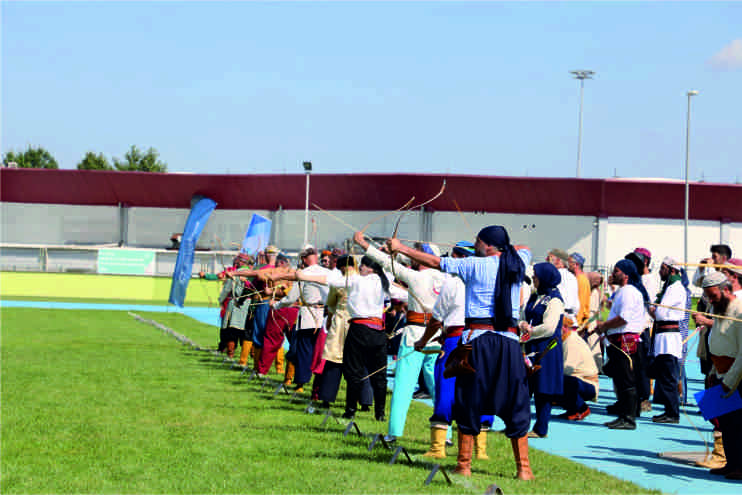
<point>663,238</point>
<point>26,223</point>
<point>601,240</point>
<point>540,232</point>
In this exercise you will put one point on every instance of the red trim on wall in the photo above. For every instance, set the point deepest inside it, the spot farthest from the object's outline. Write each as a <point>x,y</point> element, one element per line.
<point>524,195</point>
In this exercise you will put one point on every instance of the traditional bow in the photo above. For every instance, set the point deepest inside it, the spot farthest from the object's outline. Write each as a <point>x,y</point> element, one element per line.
<point>396,226</point>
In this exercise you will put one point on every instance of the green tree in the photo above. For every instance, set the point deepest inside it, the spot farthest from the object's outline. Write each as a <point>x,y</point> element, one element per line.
<point>136,160</point>
<point>92,161</point>
<point>33,157</point>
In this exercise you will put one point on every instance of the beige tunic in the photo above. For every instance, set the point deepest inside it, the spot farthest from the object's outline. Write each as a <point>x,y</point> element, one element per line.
<point>725,339</point>
<point>337,306</point>
<point>579,362</point>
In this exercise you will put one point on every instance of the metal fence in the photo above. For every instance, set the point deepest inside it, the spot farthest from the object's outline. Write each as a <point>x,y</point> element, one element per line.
<point>84,259</point>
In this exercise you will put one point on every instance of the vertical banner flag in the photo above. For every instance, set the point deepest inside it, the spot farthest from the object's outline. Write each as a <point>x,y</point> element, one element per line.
<point>201,208</point>
<point>257,236</point>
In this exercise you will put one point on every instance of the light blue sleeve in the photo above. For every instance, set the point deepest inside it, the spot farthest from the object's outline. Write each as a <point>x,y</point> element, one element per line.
<point>463,267</point>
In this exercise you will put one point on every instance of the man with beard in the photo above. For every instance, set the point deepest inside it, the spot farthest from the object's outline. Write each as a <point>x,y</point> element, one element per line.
<point>623,330</point>
<point>667,343</point>
<point>725,351</point>
<point>498,383</point>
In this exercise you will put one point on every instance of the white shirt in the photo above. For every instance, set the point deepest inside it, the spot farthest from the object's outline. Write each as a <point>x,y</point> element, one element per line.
<point>628,303</point>
<point>570,293</point>
<point>365,294</point>
<point>423,287</point>
<point>670,342</point>
<point>310,293</point>
<point>652,285</point>
<point>450,307</point>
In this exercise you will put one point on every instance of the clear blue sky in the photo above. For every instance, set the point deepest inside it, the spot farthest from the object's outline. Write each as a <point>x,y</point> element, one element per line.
<point>474,88</point>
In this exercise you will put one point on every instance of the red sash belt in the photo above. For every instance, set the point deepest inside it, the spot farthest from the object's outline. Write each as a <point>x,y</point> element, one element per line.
<point>454,331</point>
<point>415,318</point>
<point>627,342</point>
<point>374,323</point>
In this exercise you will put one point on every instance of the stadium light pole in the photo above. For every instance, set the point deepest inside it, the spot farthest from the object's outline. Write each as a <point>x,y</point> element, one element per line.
<point>581,75</point>
<point>690,94</point>
<point>308,172</point>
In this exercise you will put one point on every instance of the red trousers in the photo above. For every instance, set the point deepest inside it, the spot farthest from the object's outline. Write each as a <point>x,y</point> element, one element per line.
<point>279,321</point>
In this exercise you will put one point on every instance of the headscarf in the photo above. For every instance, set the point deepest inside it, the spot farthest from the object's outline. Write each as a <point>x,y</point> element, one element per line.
<point>548,279</point>
<point>638,260</point>
<point>629,268</point>
<point>510,272</point>
<point>671,278</point>
<point>579,259</point>
<point>369,262</point>
<point>464,248</point>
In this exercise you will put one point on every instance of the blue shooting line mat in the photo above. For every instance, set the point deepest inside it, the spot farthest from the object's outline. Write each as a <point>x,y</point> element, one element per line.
<point>628,455</point>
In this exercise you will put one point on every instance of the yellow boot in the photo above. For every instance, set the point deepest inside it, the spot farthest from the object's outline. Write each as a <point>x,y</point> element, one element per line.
<point>246,346</point>
<point>480,446</point>
<point>437,442</point>
<point>280,361</point>
<point>289,376</point>
<point>717,459</point>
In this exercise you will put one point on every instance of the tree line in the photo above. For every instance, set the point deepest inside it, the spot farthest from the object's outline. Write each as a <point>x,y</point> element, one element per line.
<point>134,160</point>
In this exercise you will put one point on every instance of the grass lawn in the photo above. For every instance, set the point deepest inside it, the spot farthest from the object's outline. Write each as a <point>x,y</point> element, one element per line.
<point>97,402</point>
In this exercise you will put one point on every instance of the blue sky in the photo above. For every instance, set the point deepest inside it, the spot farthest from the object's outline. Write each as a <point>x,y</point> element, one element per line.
<point>473,88</point>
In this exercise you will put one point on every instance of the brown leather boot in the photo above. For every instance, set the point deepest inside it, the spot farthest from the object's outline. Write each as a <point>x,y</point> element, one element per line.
<point>520,451</point>
<point>717,459</point>
<point>437,442</point>
<point>258,351</point>
<point>463,460</point>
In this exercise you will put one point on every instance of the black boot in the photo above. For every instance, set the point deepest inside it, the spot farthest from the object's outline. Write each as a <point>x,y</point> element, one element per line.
<point>627,403</point>
<point>379,404</point>
<point>351,401</point>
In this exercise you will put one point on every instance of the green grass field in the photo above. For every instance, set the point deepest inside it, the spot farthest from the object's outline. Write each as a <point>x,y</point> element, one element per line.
<point>97,402</point>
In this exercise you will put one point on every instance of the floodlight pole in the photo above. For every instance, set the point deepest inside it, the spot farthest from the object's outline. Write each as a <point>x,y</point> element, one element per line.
<point>308,172</point>
<point>581,75</point>
<point>687,167</point>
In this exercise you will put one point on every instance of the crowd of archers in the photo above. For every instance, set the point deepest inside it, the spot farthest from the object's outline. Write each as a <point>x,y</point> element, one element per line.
<point>485,328</point>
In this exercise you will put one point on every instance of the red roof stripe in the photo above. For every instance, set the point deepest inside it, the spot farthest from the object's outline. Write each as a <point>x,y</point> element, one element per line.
<point>525,195</point>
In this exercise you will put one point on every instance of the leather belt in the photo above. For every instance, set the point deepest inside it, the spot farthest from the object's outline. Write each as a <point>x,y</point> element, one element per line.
<point>666,326</point>
<point>722,363</point>
<point>420,319</point>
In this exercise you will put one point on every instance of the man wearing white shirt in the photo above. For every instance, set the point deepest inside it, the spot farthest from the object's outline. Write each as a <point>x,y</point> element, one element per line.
<point>423,287</point>
<point>622,329</point>
<point>667,343</point>
<point>720,253</point>
<point>568,287</point>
